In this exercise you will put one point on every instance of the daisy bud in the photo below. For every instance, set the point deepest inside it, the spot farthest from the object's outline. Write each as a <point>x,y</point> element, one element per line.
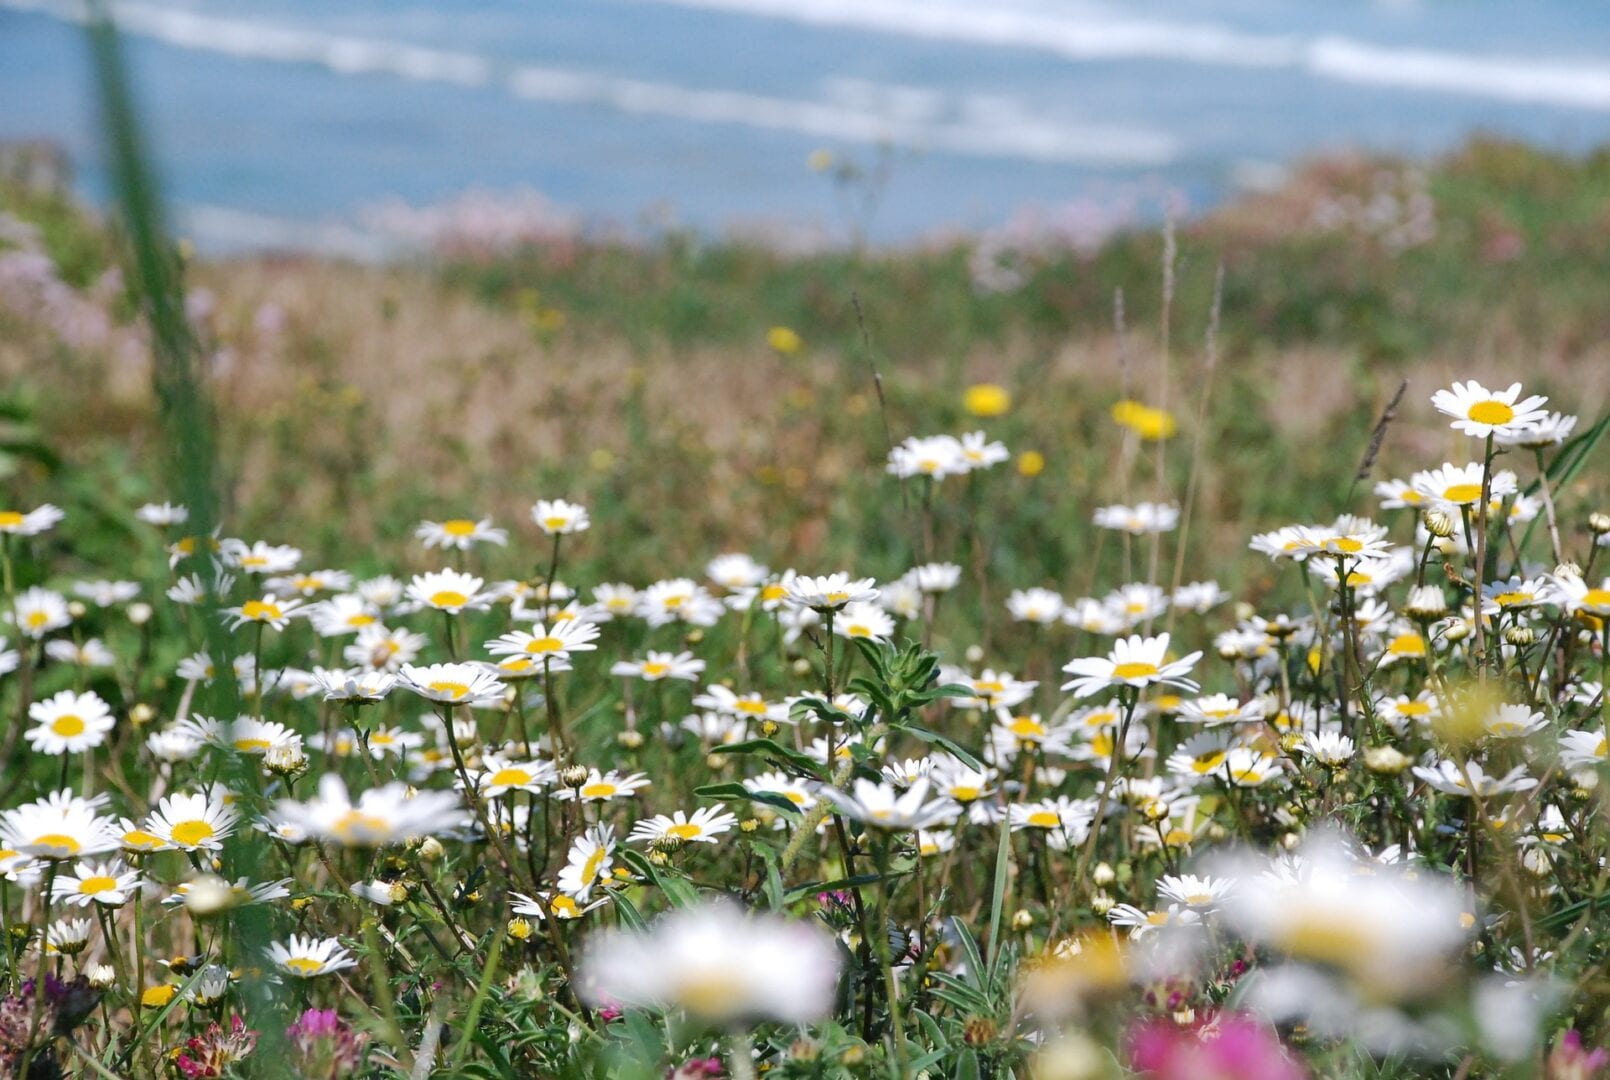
<point>1290,741</point>
<point>142,714</point>
<point>1445,547</point>
<point>1101,903</point>
<point>693,637</point>
<point>430,849</point>
<point>1426,601</point>
<point>1103,874</point>
<point>804,1050</point>
<point>975,654</point>
<point>629,740</point>
<point>1440,524</point>
<point>285,759</point>
<point>1568,569</point>
<point>574,775</point>
<point>1599,523</point>
<point>139,614</point>
<point>801,668</point>
<point>1459,631</point>
<point>1520,636</point>
<point>768,728</point>
<point>519,929</point>
<point>716,762</point>
<point>1022,919</point>
<point>749,824</point>
<point>665,844</point>
<point>1386,760</point>
<point>76,609</point>
<point>1291,841</point>
<point>853,1054</point>
<point>301,903</point>
<point>101,976</point>
<point>1216,832</point>
<point>657,857</point>
<point>981,1030</point>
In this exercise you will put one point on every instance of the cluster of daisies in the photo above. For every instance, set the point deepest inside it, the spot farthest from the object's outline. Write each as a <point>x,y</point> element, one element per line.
<point>239,730</point>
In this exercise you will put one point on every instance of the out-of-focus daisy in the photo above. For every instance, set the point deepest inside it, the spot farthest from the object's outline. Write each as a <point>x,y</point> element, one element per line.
<point>1140,922</point>
<point>460,534</point>
<point>385,815</point>
<point>978,451</point>
<point>105,594</point>
<point>1580,598</point>
<point>32,523</point>
<point>1551,430</point>
<point>1249,767</point>
<point>679,600</point>
<point>1583,749</point>
<point>1513,721</point>
<point>162,514</point>
<point>383,649</point>
<point>261,558</point>
<point>613,600</point>
<point>1199,596</point>
<point>863,621</point>
<point>68,723</point>
<point>310,582</point>
<point>193,822</point>
<point>722,966</point>
<point>498,776</point>
<point>744,706</point>
<point>1035,605</point>
<point>58,826</point>
<point>340,615</point>
<point>453,684</point>
<point>991,689</point>
<point>884,806</point>
<point>89,653</point>
<point>1480,412</point>
<point>1199,893</point>
<point>308,956</point>
<point>353,687</point>
<point>701,827</point>
<point>660,665</point>
<point>1139,520</point>
<point>243,735</point>
<point>269,610</point>
<point>1219,709</point>
<point>734,571</point>
<point>448,590</point>
<point>110,883</point>
<point>556,517</point>
<point>933,456</point>
<point>791,788</point>
<point>831,592</point>
<point>1331,749</point>
<point>38,611</point>
<point>1134,662</point>
<point>1448,778</point>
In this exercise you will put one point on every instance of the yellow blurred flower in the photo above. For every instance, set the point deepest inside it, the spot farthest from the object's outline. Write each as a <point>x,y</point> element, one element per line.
<point>157,996</point>
<point>1150,424</point>
<point>1030,463</point>
<point>820,160</point>
<point>784,340</point>
<point>987,399</point>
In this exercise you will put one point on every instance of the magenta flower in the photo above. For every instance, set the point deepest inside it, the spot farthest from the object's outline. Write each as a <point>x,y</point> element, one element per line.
<point>1228,1047</point>
<point>1570,1060</point>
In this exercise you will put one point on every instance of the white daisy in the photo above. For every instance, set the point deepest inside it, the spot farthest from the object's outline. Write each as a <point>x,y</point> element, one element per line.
<point>1479,412</point>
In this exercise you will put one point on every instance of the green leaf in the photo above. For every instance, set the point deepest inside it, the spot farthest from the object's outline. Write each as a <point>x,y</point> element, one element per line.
<point>733,790</point>
<point>1003,852</point>
<point>628,911</point>
<point>967,1065</point>
<point>961,753</point>
<point>775,752</point>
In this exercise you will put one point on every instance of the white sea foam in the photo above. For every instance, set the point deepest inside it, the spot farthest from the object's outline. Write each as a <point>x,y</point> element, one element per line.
<point>979,127</point>
<point>1086,31</point>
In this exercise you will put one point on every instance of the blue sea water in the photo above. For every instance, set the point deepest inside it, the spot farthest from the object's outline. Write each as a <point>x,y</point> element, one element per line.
<point>273,116</point>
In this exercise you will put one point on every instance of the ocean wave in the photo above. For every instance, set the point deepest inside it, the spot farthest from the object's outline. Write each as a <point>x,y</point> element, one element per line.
<point>977,127</point>
<point>1096,32</point>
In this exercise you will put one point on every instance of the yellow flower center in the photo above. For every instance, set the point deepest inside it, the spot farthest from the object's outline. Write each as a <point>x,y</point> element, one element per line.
<point>454,690</point>
<point>564,907</point>
<point>58,842</point>
<point>858,630</point>
<point>655,668</point>
<point>1491,412</point>
<point>555,522</point>
<point>685,832</point>
<point>1134,669</point>
<point>516,663</point>
<point>1044,819</point>
<point>350,822</point>
<point>92,886</point>
<point>589,870</point>
<point>599,790</point>
<point>261,610</point>
<point>1157,918</point>
<point>1596,598</point>
<point>1414,708</point>
<point>1347,545</point>
<point>1207,762</point>
<point>1407,645</point>
<point>1328,940</point>
<point>838,598</point>
<point>510,778</point>
<point>360,619</point>
<point>304,965</point>
<point>1510,599</point>
<point>773,592</point>
<point>11,519</point>
<point>67,725</point>
<point>710,994</point>
<point>36,619</point>
<point>191,833</point>
<point>458,527</point>
<point>140,840</point>
<point>1026,727</point>
<point>965,793</point>
<point>1462,493</point>
<point>447,598</point>
<point>545,645</point>
<point>794,797</point>
<point>252,746</point>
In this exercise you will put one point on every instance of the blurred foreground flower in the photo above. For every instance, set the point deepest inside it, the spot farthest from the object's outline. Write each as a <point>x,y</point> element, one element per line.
<point>987,399</point>
<point>1229,1047</point>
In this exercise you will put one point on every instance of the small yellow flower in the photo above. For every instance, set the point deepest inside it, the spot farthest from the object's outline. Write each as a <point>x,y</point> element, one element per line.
<point>1030,463</point>
<point>784,340</point>
<point>820,160</point>
<point>987,399</point>
<point>1152,425</point>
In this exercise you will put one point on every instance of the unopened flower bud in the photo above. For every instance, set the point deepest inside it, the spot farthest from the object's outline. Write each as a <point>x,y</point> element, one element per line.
<point>666,844</point>
<point>1568,569</point>
<point>430,849</point>
<point>285,759</point>
<point>1022,919</point>
<point>768,728</point>
<point>1101,903</point>
<point>1386,760</point>
<point>142,714</point>
<point>1103,874</point>
<point>801,668</point>
<point>1458,630</point>
<point>1599,523</point>
<point>1440,523</point>
<point>1291,841</point>
<point>100,976</point>
<point>629,740</point>
<point>76,609</point>
<point>975,654</point>
<point>1426,601</point>
<point>749,824</point>
<point>1520,636</point>
<point>519,929</point>
<point>574,775</point>
<point>139,613</point>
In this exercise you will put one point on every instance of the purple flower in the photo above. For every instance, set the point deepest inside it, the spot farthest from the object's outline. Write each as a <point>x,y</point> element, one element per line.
<point>1570,1060</point>
<point>1228,1047</point>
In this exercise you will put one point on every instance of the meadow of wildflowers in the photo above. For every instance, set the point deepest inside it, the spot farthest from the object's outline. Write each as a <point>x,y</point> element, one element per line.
<point>492,814</point>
